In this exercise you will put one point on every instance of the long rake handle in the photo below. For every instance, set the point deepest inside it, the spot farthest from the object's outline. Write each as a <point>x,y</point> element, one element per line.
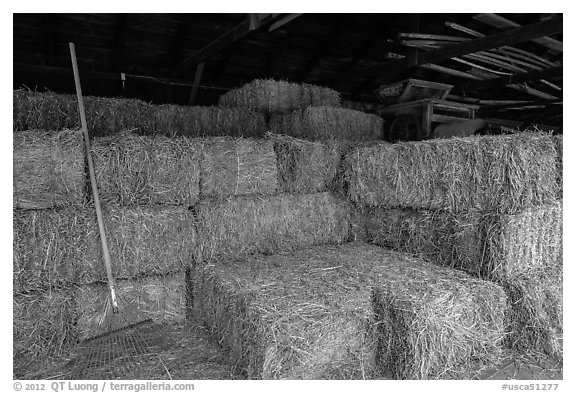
<point>105,252</point>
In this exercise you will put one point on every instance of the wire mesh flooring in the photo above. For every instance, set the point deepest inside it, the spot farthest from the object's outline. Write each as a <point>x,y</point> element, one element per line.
<point>148,351</point>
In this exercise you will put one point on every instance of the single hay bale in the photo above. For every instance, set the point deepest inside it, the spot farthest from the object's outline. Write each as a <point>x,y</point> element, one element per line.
<point>368,107</point>
<point>558,141</point>
<point>44,325</point>
<point>310,314</point>
<point>60,247</point>
<point>55,112</point>
<point>535,314</point>
<point>48,169</point>
<point>232,166</point>
<point>305,315</point>
<point>162,299</point>
<point>306,167</point>
<point>436,322</point>
<point>197,121</point>
<point>506,173</point>
<point>44,111</point>
<point>146,170</point>
<point>318,123</point>
<point>270,96</point>
<point>487,245</point>
<point>254,224</point>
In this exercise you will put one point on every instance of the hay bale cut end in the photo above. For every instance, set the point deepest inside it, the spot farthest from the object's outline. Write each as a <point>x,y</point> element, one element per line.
<point>558,141</point>
<point>535,316</point>
<point>198,121</point>
<point>248,225</point>
<point>270,96</point>
<point>331,311</point>
<point>436,322</point>
<point>506,173</point>
<point>306,167</point>
<point>487,245</point>
<point>146,170</point>
<point>44,325</point>
<point>231,166</point>
<point>48,169</point>
<point>318,123</point>
<point>61,247</point>
<point>162,299</point>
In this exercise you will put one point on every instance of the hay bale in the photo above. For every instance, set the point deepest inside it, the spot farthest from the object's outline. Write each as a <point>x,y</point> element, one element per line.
<point>254,224</point>
<point>558,142</point>
<point>60,247</point>
<point>48,169</point>
<point>436,322</point>
<point>310,314</point>
<point>146,170</point>
<point>535,316</point>
<point>318,123</point>
<point>162,299</point>
<point>55,112</point>
<point>197,121</point>
<point>487,245</point>
<point>306,167</point>
<point>44,325</point>
<point>506,173</point>
<point>232,166</point>
<point>270,96</point>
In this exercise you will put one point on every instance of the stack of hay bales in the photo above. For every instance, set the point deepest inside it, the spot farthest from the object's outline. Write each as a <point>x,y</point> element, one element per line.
<point>485,205</point>
<point>107,116</point>
<point>304,111</point>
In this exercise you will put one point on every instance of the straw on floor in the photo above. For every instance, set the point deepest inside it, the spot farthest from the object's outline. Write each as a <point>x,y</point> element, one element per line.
<point>256,224</point>
<point>59,247</point>
<point>48,169</point>
<point>506,173</point>
<point>271,96</point>
<point>311,314</point>
<point>319,123</point>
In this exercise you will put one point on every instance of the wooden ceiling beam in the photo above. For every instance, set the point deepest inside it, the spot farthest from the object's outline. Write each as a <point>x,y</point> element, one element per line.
<point>508,80</point>
<point>502,23</point>
<point>508,37</point>
<point>325,45</point>
<point>251,23</point>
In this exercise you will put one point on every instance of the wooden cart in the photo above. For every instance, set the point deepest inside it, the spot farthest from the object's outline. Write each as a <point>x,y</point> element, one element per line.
<point>416,120</point>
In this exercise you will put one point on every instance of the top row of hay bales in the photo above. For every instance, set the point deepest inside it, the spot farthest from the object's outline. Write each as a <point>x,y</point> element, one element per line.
<point>108,116</point>
<point>304,111</point>
<point>270,96</point>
